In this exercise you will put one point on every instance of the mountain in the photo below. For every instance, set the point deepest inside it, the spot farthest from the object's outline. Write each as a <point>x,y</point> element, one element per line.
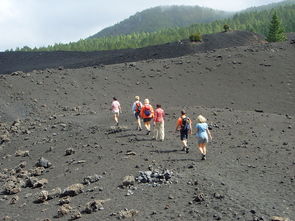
<point>161,17</point>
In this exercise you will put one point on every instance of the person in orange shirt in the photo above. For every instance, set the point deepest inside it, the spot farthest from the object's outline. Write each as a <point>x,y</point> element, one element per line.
<point>184,125</point>
<point>147,114</point>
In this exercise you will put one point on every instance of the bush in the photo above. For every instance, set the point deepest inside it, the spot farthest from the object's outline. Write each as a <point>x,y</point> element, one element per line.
<point>226,28</point>
<point>195,37</point>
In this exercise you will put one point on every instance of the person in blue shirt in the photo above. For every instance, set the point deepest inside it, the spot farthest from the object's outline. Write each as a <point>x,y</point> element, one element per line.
<point>202,134</point>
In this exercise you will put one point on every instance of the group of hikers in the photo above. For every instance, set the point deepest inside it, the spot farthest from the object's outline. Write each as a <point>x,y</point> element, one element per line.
<point>147,114</point>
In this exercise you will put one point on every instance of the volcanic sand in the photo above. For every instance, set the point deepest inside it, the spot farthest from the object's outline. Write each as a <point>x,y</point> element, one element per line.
<point>246,92</point>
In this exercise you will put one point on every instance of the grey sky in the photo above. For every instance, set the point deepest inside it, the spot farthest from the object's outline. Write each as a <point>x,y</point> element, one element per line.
<point>43,22</point>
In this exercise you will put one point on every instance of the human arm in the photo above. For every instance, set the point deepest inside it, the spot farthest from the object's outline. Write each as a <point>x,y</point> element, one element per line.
<point>133,107</point>
<point>209,134</point>
<point>190,126</point>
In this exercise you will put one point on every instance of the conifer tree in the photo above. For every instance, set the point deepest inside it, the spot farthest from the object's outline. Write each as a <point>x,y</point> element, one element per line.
<point>276,30</point>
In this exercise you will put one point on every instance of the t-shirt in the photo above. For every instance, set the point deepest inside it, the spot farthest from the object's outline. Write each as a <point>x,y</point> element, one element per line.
<point>115,106</point>
<point>159,115</point>
<point>202,133</point>
<point>142,111</point>
<point>134,106</point>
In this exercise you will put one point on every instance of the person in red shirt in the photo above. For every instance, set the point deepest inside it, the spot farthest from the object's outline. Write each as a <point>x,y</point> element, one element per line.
<point>184,125</point>
<point>159,116</point>
<point>147,114</point>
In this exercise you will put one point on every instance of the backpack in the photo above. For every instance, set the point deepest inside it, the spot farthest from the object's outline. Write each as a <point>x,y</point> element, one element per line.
<point>147,111</point>
<point>185,124</point>
<point>137,107</point>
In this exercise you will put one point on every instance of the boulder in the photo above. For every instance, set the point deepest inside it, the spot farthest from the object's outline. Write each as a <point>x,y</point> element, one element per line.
<point>125,214</point>
<point>91,179</point>
<point>63,210</point>
<point>94,206</point>
<point>128,180</point>
<point>73,190</point>
<point>11,187</point>
<point>42,162</point>
<point>22,153</point>
<point>279,218</point>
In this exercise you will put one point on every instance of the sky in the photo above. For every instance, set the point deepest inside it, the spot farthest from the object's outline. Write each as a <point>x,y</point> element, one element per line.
<point>37,23</point>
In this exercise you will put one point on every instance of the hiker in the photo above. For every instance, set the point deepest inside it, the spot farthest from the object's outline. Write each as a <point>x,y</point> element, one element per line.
<point>159,116</point>
<point>202,135</point>
<point>147,114</point>
<point>136,107</point>
<point>184,125</point>
<point>116,109</point>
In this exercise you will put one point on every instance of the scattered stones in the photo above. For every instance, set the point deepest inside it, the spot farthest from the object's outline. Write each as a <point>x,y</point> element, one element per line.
<point>94,206</point>
<point>128,180</point>
<point>124,214</point>
<point>73,190</point>
<point>42,162</point>
<point>91,179</point>
<point>154,176</point>
<point>22,153</point>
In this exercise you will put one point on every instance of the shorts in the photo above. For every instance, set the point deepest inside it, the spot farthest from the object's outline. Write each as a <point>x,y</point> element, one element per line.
<point>202,140</point>
<point>183,134</point>
<point>136,114</point>
<point>116,112</point>
<point>147,119</point>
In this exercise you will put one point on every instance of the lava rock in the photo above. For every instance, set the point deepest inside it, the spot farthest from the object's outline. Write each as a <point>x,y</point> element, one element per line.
<point>22,153</point>
<point>73,190</point>
<point>91,179</point>
<point>94,206</point>
<point>42,162</point>
<point>128,180</point>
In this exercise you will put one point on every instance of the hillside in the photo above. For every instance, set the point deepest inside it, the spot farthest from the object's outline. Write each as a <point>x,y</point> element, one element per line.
<point>162,17</point>
<point>28,61</point>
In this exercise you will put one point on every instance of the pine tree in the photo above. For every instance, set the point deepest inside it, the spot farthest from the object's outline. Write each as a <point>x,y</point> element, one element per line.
<point>276,30</point>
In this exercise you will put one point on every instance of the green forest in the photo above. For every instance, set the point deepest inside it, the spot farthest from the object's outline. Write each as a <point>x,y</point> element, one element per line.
<point>254,21</point>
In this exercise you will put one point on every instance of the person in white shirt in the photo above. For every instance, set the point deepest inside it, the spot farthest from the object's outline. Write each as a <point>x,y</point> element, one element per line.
<point>116,110</point>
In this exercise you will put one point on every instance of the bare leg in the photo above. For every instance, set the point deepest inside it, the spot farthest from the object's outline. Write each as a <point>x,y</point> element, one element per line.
<point>116,118</point>
<point>184,143</point>
<point>139,124</point>
<point>201,148</point>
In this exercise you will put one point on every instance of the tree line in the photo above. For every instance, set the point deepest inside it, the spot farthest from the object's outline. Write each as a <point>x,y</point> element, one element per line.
<point>254,21</point>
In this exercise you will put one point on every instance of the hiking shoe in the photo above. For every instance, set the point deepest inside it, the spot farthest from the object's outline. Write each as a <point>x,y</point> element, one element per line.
<point>187,150</point>
<point>117,124</point>
<point>148,133</point>
<point>183,148</point>
<point>204,157</point>
<point>140,129</point>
